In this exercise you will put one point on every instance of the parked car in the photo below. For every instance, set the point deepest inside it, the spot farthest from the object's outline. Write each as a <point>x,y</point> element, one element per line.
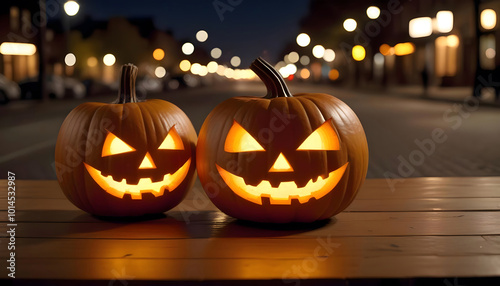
<point>57,87</point>
<point>8,90</point>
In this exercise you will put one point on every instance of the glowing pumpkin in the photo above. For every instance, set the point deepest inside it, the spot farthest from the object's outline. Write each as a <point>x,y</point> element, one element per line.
<point>127,158</point>
<point>281,158</point>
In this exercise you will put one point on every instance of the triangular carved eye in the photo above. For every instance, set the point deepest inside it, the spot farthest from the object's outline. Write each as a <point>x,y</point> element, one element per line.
<point>114,145</point>
<point>173,141</point>
<point>239,140</point>
<point>323,138</point>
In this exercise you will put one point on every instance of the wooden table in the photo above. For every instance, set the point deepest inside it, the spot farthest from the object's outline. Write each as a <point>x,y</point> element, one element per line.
<point>438,228</point>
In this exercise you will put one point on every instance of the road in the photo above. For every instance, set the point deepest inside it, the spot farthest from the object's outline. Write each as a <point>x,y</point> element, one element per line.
<point>407,136</point>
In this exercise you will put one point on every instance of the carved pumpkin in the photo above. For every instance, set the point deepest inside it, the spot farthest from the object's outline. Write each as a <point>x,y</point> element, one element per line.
<point>281,158</point>
<point>127,158</point>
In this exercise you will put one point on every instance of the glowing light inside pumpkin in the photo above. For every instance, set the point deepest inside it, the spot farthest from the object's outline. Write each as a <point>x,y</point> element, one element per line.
<point>286,191</point>
<point>239,140</point>
<point>281,165</point>
<point>145,185</point>
<point>114,145</point>
<point>147,162</point>
<point>323,138</point>
<point>173,141</point>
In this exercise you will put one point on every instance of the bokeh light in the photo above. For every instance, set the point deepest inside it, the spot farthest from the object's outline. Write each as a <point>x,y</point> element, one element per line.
<point>216,53</point>
<point>303,40</point>
<point>488,19</point>
<point>70,59</point>
<point>305,73</point>
<point>490,53</point>
<point>318,51</point>
<point>305,60</point>
<point>187,48</point>
<point>329,55</point>
<point>195,68</point>
<point>350,25</point>
<point>201,36</point>
<point>185,65</point>
<point>212,67</point>
<point>358,53</point>
<point>235,61</point>
<point>293,57</point>
<point>373,12</point>
<point>92,62</point>
<point>109,59</point>
<point>71,8</point>
<point>333,74</point>
<point>158,54</point>
<point>160,72</point>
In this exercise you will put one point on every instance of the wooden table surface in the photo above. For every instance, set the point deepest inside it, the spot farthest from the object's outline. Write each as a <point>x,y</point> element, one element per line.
<point>426,227</point>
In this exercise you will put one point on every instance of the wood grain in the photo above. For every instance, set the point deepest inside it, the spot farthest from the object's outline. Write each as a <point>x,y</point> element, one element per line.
<point>425,227</point>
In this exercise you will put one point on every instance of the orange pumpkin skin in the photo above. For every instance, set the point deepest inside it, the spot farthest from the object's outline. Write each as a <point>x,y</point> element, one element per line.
<point>280,124</point>
<point>141,125</point>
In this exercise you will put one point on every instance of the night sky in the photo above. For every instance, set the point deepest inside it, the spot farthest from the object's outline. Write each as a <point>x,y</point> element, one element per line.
<point>251,29</point>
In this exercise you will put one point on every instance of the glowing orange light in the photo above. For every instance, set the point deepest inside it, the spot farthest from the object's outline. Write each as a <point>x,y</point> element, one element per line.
<point>286,191</point>
<point>385,49</point>
<point>158,54</point>
<point>281,165</point>
<point>147,162</point>
<point>173,141</point>
<point>239,140</point>
<point>323,138</point>
<point>114,145</point>
<point>145,185</point>
<point>305,73</point>
<point>333,74</point>
<point>403,49</point>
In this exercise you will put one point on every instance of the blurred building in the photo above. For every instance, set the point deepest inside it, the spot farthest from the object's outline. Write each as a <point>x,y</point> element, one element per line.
<point>18,39</point>
<point>443,42</point>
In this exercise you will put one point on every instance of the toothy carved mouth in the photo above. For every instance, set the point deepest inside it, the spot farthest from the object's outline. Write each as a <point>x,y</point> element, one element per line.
<point>286,191</point>
<point>145,185</point>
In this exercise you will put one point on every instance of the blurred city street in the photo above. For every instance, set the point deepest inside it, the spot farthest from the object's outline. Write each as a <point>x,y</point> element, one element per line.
<point>399,127</point>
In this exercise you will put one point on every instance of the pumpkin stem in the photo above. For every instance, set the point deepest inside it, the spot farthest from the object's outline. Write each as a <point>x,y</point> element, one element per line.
<point>126,93</point>
<point>276,86</point>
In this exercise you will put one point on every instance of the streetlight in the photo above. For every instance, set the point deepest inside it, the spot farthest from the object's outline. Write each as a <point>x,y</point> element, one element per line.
<point>160,72</point>
<point>350,25</point>
<point>293,57</point>
<point>373,12</point>
<point>71,8</point>
<point>109,60</point>
<point>303,40</point>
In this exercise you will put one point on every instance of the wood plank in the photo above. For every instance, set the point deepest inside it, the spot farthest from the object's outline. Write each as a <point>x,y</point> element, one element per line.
<point>332,267</point>
<point>255,248</point>
<point>428,187</point>
<point>215,224</point>
<point>47,209</point>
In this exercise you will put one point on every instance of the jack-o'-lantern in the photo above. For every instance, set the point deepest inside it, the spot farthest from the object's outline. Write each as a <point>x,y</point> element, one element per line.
<point>281,158</point>
<point>126,158</point>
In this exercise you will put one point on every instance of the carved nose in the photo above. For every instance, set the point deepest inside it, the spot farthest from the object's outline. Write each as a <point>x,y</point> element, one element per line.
<point>281,165</point>
<point>147,162</point>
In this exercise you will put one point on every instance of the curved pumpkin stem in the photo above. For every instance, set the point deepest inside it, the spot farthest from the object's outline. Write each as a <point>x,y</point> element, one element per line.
<point>276,86</point>
<point>126,93</point>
